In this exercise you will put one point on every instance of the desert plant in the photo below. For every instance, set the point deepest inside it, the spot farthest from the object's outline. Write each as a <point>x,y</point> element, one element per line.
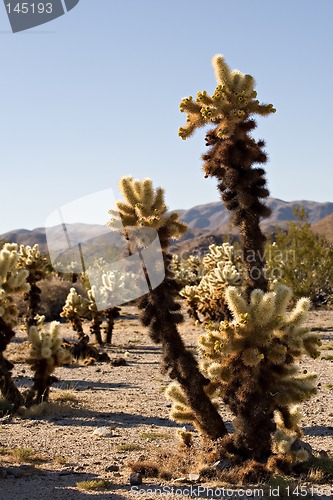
<point>144,207</point>
<point>46,354</point>
<point>222,267</point>
<point>37,266</point>
<point>75,308</point>
<point>250,360</point>
<point>303,260</point>
<point>13,280</point>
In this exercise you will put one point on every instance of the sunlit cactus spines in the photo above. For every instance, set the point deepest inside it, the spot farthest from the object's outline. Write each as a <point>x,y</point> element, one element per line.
<point>145,206</point>
<point>46,354</point>
<point>36,264</point>
<point>233,101</point>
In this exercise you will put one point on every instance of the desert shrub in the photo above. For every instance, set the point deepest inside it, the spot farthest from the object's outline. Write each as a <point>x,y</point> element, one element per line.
<point>54,290</point>
<point>302,260</point>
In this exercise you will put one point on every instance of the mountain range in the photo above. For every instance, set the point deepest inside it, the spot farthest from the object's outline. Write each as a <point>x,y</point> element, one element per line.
<point>206,223</point>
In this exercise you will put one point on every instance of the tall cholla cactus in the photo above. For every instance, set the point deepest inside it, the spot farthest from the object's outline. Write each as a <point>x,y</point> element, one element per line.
<point>222,267</point>
<point>232,154</point>
<point>46,354</point>
<point>145,206</point>
<point>12,281</point>
<point>252,359</point>
<point>36,264</point>
<point>75,308</point>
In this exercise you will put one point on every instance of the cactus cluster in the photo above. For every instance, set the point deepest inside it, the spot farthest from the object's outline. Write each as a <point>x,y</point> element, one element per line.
<point>46,354</point>
<point>221,267</point>
<point>13,280</point>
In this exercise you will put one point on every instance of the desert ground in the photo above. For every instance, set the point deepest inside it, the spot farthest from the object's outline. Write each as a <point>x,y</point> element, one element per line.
<point>101,418</point>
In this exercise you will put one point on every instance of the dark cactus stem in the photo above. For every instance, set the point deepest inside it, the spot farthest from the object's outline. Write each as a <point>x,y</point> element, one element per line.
<point>111,314</point>
<point>96,327</point>
<point>33,301</point>
<point>42,382</point>
<point>253,411</point>
<point>161,314</point>
<point>242,188</point>
<point>7,386</point>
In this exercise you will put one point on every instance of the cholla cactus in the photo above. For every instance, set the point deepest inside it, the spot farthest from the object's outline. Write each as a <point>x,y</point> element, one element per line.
<point>222,267</point>
<point>12,281</point>
<point>187,272</point>
<point>36,264</point>
<point>46,354</point>
<point>233,101</point>
<point>253,359</point>
<point>231,157</point>
<point>145,206</point>
<point>75,308</point>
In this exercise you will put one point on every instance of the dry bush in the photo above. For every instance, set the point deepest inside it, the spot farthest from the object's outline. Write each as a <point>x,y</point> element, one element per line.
<point>54,291</point>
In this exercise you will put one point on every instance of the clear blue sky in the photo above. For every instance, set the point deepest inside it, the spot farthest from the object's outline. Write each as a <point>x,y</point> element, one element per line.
<point>94,95</point>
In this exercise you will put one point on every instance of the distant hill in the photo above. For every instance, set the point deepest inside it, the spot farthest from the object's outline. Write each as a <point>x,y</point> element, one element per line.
<point>324,227</point>
<point>214,217</point>
<point>207,223</point>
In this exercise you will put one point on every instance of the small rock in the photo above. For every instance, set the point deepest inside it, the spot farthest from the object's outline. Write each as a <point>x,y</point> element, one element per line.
<point>103,432</point>
<point>194,477</point>
<point>135,479</point>
<point>222,464</point>
<point>112,468</point>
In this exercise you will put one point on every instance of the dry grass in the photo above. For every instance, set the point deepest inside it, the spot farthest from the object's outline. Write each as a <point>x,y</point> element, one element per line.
<point>93,485</point>
<point>21,455</point>
<point>128,447</point>
<point>154,436</point>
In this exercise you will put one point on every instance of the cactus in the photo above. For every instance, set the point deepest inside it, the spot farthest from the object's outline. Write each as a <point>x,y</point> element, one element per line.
<point>13,280</point>
<point>36,264</point>
<point>145,207</point>
<point>250,361</point>
<point>46,354</point>
<point>231,157</point>
<point>222,267</point>
<point>75,308</point>
<point>253,359</point>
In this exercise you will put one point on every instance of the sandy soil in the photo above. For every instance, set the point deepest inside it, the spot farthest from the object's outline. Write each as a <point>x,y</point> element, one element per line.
<point>128,402</point>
